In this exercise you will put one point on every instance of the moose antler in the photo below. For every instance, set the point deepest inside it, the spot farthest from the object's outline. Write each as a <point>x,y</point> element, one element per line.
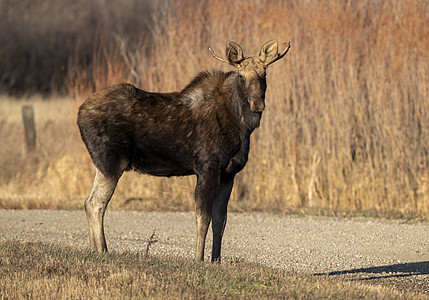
<point>279,56</point>
<point>234,54</point>
<point>218,57</point>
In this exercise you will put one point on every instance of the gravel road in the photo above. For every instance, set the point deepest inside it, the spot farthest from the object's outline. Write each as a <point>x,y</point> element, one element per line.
<point>356,248</point>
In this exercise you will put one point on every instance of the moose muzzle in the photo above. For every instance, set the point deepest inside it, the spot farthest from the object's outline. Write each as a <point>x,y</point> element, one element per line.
<point>257,105</point>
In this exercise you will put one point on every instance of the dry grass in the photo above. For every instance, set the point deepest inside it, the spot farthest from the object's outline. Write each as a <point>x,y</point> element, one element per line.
<point>46,272</point>
<point>346,125</point>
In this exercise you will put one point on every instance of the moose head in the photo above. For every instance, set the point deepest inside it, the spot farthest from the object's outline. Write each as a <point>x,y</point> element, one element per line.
<point>252,70</point>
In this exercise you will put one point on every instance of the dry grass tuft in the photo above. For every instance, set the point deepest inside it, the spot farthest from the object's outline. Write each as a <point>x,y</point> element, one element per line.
<point>45,272</point>
<point>346,125</point>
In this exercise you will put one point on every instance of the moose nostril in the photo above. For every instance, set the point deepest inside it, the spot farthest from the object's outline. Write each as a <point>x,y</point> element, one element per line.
<point>257,107</point>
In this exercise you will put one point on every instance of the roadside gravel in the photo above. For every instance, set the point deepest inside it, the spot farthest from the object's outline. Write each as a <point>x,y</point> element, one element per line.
<point>392,252</point>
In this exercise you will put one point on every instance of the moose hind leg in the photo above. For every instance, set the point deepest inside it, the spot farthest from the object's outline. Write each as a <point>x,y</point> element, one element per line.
<point>219,215</point>
<point>95,207</point>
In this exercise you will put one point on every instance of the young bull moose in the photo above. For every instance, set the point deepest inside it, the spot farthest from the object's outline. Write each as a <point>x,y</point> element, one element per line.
<point>203,130</point>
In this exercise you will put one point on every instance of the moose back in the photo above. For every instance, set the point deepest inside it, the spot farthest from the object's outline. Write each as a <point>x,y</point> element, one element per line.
<point>203,130</point>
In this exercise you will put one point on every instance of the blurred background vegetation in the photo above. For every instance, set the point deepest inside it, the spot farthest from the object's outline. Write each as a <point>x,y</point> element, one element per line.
<point>347,121</point>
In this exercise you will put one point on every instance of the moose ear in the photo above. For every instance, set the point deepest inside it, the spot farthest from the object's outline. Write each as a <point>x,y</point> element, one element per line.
<point>269,52</point>
<point>234,53</point>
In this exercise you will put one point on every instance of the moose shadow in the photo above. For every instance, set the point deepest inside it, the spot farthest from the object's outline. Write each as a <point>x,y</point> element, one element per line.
<point>389,271</point>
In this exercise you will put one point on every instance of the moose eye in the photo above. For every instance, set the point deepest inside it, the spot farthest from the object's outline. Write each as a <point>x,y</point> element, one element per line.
<point>241,77</point>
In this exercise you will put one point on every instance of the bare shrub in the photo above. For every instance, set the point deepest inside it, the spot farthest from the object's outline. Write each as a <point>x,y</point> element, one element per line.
<point>43,41</point>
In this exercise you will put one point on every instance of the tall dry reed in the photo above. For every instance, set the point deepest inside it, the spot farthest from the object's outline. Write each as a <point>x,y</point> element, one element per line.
<point>347,120</point>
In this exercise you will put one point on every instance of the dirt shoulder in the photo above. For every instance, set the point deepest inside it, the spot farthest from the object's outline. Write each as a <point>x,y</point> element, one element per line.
<point>378,251</point>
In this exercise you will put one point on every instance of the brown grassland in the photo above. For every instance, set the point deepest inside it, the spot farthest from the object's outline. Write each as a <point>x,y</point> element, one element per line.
<point>346,129</point>
<point>38,271</point>
<point>347,121</point>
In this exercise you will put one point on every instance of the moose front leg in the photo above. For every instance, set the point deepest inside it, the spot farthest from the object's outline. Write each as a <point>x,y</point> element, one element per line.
<point>205,190</point>
<point>219,214</point>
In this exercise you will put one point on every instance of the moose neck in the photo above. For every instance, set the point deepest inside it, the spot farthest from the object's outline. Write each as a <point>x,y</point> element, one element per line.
<point>240,104</point>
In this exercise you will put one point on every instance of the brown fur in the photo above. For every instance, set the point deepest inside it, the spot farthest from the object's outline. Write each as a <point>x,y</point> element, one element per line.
<point>203,130</point>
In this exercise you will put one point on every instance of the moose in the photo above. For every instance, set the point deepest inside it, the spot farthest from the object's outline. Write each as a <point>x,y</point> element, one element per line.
<point>203,130</point>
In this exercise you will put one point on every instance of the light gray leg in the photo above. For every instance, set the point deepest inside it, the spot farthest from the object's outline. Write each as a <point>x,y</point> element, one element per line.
<point>203,222</point>
<point>95,207</point>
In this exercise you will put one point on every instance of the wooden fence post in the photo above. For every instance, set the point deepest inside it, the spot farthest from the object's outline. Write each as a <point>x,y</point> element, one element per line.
<point>29,127</point>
